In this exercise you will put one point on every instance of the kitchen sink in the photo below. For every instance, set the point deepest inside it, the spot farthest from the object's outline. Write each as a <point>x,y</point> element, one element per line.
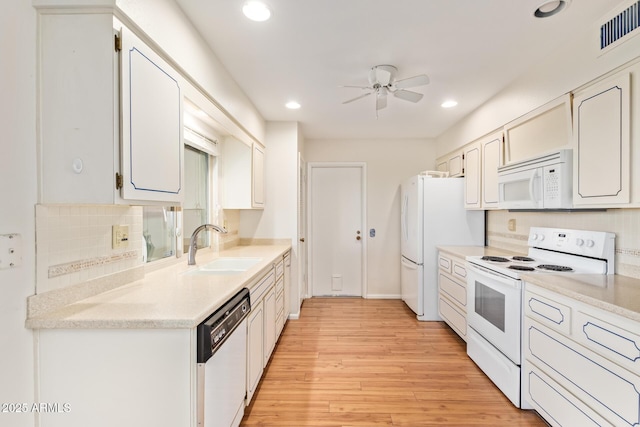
<point>226,265</point>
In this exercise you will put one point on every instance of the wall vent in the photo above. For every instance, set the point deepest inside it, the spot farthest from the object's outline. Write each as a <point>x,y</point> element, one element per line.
<point>620,27</point>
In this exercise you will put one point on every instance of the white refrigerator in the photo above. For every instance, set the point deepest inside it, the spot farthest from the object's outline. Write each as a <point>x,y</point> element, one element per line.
<point>432,214</point>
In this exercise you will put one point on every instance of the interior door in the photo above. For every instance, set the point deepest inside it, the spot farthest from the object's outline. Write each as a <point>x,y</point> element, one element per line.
<point>303,291</point>
<point>336,229</point>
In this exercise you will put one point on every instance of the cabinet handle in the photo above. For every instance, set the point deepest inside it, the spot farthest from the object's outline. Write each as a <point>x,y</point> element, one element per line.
<point>302,239</point>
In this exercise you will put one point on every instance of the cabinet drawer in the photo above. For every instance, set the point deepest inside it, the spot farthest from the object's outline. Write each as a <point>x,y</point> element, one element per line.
<point>263,285</point>
<point>444,263</point>
<point>548,312</point>
<point>280,304</point>
<point>555,404</point>
<point>454,289</point>
<point>279,286</point>
<point>607,388</point>
<point>611,341</point>
<point>459,270</point>
<point>453,316</point>
<point>280,268</point>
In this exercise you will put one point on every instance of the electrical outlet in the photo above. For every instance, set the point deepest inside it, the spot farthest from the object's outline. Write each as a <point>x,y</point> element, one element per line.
<point>511,225</point>
<point>120,236</point>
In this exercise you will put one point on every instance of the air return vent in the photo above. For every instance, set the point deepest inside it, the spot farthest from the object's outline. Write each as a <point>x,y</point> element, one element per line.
<point>620,27</point>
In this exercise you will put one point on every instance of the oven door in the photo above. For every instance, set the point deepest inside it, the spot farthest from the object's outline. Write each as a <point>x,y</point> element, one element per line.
<point>520,189</point>
<point>494,309</point>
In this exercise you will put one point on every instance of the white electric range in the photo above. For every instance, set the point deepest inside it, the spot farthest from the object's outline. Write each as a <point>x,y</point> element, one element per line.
<point>494,295</point>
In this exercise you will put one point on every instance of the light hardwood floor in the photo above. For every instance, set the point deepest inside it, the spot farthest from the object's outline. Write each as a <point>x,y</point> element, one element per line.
<point>368,363</point>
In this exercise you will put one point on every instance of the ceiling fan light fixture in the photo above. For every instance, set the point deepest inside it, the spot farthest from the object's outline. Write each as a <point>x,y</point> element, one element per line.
<point>449,103</point>
<point>256,10</point>
<point>292,105</point>
<point>551,8</point>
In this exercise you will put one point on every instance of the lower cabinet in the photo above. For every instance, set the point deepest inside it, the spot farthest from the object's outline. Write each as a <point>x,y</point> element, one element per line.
<point>255,348</point>
<point>452,292</point>
<point>582,364</point>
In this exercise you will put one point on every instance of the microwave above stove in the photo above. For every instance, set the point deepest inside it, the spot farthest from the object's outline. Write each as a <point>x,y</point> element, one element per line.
<point>543,182</point>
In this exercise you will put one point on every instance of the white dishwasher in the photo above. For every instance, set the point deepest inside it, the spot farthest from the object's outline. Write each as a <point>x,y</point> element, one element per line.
<point>222,364</point>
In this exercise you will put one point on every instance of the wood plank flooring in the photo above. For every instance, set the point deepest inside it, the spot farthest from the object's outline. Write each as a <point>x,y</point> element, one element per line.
<point>367,363</point>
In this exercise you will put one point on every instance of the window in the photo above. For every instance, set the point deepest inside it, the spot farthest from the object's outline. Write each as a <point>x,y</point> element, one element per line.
<point>196,195</point>
<point>158,230</point>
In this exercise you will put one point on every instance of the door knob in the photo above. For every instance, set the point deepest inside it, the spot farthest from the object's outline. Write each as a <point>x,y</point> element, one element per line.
<point>357,237</point>
<point>302,239</point>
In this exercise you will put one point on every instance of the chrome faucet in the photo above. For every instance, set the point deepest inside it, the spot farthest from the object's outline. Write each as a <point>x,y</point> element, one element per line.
<point>193,248</point>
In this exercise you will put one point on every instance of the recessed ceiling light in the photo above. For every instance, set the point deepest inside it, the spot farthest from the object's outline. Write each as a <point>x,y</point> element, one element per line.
<point>256,10</point>
<point>292,105</point>
<point>551,8</point>
<point>449,104</point>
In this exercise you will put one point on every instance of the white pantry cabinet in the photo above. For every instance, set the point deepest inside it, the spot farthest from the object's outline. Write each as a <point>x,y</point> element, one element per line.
<point>90,132</point>
<point>582,364</point>
<point>482,159</point>
<point>601,150</point>
<point>243,174</point>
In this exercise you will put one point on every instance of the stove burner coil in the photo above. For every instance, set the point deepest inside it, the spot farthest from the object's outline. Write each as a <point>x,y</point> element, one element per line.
<point>552,267</point>
<point>494,259</point>
<point>521,268</point>
<point>522,258</point>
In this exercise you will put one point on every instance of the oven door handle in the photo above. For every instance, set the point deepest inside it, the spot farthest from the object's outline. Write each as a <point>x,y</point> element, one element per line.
<point>494,276</point>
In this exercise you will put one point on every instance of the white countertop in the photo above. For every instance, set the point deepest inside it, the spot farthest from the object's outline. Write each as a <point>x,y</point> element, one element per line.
<point>464,251</point>
<point>165,298</point>
<point>614,293</point>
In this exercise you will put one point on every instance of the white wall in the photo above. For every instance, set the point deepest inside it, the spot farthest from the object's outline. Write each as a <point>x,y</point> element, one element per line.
<point>389,162</point>
<point>18,193</point>
<point>570,66</point>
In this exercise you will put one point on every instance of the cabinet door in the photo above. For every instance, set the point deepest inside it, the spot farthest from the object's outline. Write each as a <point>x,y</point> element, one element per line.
<point>442,165</point>
<point>257,171</point>
<point>601,144</point>
<point>456,167</point>
<point>472,180</point>
<point>269,324</point>
<point>491,160</point>
<point>287,287</point>
<point>255,348</point>
<point>151,104</point>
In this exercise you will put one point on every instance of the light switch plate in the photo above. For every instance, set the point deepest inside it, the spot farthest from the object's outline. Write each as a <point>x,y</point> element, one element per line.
<point>10,251</point>
<point>120,236</point>
<point>511,225</point>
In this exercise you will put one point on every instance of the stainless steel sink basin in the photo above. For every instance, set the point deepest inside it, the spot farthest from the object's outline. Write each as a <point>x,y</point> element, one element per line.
<point>226,265</point>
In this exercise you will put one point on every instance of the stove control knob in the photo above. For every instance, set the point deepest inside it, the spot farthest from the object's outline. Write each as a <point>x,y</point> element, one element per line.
<point>534,236</point>
<point>579,242</point>
<point>590,243</point>
<point>541,237</point>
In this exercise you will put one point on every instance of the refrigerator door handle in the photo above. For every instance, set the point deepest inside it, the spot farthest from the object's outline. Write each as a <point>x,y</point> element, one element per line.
<point>405,205</point>
<point>409,265</point>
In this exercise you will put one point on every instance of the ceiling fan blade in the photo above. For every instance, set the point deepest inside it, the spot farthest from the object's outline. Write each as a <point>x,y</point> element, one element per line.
<point>408,95</point>
<point>414,81</point>
<point>381,99</point>
<point>357,87</point>
<point>357,97</point>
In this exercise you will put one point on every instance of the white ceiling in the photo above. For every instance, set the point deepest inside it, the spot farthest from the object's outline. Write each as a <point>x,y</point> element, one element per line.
<point>470,49</point>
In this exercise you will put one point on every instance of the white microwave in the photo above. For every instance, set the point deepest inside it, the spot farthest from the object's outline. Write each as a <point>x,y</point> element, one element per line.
<point>543,182</point>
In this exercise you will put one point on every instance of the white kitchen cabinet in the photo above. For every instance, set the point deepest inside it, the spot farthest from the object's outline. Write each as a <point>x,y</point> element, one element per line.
<point>269,304</point>
<point>452,292</point>
<point>287,287</point>
<point>442,165</point>
<point>540,131</point>
<point>582,363</point>
<point>255,348</point>
<point>456,163</point>
<point>243,174</point>
<point>601,149</point>
<point>482,159</point>
<point>94,139</point>
<point>261,329</point>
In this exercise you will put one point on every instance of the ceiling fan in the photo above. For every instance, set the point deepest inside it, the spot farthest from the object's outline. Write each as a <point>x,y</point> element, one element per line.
<point>382,80</point>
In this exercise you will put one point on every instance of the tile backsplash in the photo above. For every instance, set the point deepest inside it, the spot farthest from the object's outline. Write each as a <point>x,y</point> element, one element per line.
<point>625,223</point>
<point>74,243</point>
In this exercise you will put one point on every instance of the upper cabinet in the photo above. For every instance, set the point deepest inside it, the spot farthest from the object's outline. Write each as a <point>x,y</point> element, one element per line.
<point>151,113</point>
<point>601,171</point>
<point>456,163</point>
<point>243,172</point>
<point>95,139</point>
<point>544,129</point>
<point>482,159</point>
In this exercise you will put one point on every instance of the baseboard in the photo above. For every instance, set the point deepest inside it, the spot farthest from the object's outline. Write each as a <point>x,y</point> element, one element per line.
<point>383,296</point>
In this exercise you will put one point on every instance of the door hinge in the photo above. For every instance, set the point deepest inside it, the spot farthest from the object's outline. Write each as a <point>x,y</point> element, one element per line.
<point>117,43</point>
<point>118,181</point>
